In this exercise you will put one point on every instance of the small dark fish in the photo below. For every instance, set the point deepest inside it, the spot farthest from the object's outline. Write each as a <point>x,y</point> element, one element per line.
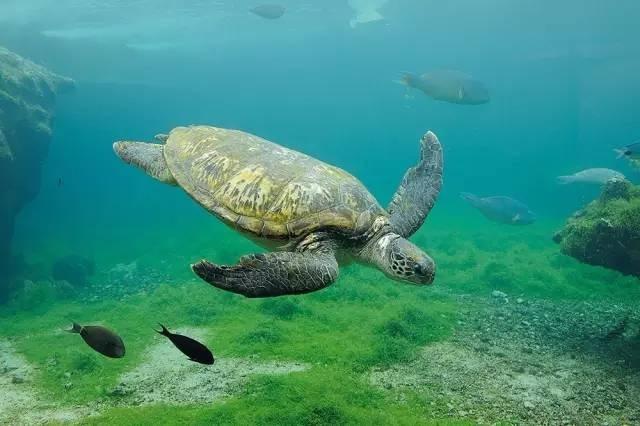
<point>619,329</point>
<point>269,11</point>
<point>631,151</point>
<point>60,183</point>
<point>100,339</point>
<point>448,86</point>
<point>196,351</point>
<point>501,209</point>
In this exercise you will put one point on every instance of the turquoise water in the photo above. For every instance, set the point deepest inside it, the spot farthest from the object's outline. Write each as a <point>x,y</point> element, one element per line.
<point>563,80</point>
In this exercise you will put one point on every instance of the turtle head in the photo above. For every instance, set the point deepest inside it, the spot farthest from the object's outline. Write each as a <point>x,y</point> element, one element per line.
<point>401,260</point>
<point>146,156</point>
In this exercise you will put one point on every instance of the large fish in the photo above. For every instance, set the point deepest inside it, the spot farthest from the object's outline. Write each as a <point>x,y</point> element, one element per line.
<point>598,176</point>
<point>630,152</point>
<point>501,209</point>
<point>449,86</point>
<point>196,351</point>
<point>366,11</point>
<point>268,11</point>
<point>100,339</point>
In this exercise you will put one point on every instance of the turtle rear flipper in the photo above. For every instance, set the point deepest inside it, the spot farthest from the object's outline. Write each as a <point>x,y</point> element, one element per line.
<point>419,189</point>
<point>272,274</point>
<point>147,156</point>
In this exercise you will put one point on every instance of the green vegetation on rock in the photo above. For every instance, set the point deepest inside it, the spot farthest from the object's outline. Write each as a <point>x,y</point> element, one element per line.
<point>607,231</point>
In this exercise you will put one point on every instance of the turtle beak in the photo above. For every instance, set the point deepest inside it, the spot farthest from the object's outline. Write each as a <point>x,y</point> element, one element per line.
<point>425,272</point>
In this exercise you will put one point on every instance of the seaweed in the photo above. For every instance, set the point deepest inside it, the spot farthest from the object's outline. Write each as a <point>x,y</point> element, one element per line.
<point>363,323</point>
<point>282,308</point>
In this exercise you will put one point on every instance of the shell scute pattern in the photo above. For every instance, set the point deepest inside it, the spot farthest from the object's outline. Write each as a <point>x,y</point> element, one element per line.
<point>264,188</point>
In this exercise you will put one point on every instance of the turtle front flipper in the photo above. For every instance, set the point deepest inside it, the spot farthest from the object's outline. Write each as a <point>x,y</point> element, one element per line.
<point>419,189</point>
<point>272,274</point>
<point>147,156</point>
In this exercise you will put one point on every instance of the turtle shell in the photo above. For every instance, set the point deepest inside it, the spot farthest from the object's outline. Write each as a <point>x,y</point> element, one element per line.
<point>265,189</point>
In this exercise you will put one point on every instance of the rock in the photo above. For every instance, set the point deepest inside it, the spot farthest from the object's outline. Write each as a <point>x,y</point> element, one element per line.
<point>498,294</point>
<point>27,99</point>
<point>73,269</point>
<point>17,379</point>
<point>121,390</point>
<point>124,273</point>
<point>529,405</point>
<point>519,300</point>
<point>607,233</point>
<point>5,149</point>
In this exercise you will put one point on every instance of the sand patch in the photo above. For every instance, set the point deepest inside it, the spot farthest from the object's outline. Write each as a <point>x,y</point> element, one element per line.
<point>529,363</point>
<point>167,376</point>
<point>19,401</point>
<point>164,376</point>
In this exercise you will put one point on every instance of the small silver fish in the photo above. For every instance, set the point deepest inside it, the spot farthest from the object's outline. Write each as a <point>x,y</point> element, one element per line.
<point>598,176</point>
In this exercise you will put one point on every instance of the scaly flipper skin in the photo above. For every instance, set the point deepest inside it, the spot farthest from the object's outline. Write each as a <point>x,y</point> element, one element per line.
<point>419,189</point>
<point>272,274</point>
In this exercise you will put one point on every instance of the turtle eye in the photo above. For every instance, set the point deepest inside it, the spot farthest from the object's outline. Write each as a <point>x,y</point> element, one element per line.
<point>417,269</point>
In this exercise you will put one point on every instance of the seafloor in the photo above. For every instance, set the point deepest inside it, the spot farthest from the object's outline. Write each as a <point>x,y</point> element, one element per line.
<point>513,332</point>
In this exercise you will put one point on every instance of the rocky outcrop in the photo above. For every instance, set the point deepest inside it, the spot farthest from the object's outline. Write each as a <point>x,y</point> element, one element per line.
<point>27,98</point>
<point>607,231</point>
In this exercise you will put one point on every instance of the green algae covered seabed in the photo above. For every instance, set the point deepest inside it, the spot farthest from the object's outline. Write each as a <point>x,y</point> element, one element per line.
<point>513,332</point>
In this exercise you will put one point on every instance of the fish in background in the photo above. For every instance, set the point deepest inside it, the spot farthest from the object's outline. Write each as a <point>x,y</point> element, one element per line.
<point>100,339</point>
<point>501,209</point>
<point>268,11</point>
<point>630,152</point>
<point>598,176</point>
<point>449,86</point>
<point>366,11</point>
<point>196,351</point>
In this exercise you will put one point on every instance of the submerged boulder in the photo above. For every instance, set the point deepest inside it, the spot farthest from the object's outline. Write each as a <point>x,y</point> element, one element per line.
<point>27,99</point>
<point>73,269</point>
<point>607,231</point>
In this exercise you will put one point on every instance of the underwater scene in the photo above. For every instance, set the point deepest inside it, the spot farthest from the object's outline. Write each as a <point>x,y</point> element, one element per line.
<point>337,212</point>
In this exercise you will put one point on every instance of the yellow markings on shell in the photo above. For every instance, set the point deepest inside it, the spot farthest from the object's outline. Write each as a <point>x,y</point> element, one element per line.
<point>264,188</point>
<point>298,200</point>
<point>332,171</point>
<point>211,170</point>
<point>351,201</point>
<point>248,191</point>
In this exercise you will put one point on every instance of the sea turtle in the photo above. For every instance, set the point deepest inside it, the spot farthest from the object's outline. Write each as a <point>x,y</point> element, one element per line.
<point>311,214</point>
